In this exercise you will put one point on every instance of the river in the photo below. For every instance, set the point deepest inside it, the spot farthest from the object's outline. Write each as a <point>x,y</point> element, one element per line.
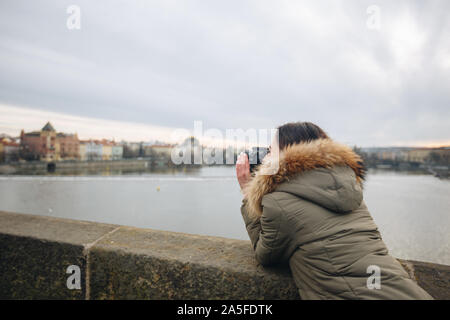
<point>411,210</point>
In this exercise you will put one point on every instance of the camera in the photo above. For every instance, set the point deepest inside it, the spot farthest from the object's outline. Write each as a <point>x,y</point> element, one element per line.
<point>255,156</point>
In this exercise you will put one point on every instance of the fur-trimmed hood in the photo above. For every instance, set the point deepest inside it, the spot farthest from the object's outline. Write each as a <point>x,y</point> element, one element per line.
<point>323,171</point>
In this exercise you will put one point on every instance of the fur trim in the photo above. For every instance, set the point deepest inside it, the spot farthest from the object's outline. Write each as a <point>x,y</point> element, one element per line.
<point>298,158</point>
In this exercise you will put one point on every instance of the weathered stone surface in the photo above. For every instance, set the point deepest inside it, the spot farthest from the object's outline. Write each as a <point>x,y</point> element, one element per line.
<point>36,269</point>
<point>149,264</point>
<point>69,231</point>
<point>434,278</point>
<point>119,262</point>
<point>35,252</point>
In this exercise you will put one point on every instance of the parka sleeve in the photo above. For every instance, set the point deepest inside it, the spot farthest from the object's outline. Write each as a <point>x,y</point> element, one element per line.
<point>267,235</point>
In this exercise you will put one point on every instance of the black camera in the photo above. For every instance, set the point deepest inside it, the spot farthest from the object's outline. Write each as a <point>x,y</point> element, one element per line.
<point>255,156</point>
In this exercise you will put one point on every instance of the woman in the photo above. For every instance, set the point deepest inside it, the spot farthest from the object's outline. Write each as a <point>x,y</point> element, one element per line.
<point>311,215</point>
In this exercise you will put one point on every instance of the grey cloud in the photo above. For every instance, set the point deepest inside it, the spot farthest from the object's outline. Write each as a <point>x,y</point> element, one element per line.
<point>235,64</point>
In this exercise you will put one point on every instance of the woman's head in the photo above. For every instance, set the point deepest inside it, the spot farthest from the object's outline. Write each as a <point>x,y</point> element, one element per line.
<point>296,132</point>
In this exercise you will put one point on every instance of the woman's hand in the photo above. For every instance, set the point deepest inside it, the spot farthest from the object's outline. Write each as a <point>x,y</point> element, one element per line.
<point>243,169</point>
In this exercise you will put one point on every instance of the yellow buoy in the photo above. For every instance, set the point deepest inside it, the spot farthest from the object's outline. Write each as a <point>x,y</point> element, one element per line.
<point>158,188</point>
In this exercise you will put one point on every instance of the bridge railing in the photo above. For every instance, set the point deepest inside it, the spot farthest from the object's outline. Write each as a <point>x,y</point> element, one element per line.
<point>52,258</point>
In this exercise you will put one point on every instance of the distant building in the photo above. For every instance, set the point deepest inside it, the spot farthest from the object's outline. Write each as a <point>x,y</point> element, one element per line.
<point>394,154</point>
<point>117,151</point>
<point>401,156</point>
<point>387,155</point>
<point>9,150</point>
<point>440,156</point>
<point>158,150</point>
<point>106,149</point>
<point>91,150</point>
<point>132,149</point>
<point>411,154</point>
<point>48,145</point>
<point>82,151</point>
<point>419,155</point>
<point>68,146</point>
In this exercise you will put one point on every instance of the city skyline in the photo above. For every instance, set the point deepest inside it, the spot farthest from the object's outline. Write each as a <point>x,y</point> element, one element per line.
<point>107,129</point>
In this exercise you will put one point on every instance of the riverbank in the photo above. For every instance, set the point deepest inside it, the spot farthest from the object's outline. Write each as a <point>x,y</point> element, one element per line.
<point>161,165</point>
<point>81,167</point>
<point>439,171</point>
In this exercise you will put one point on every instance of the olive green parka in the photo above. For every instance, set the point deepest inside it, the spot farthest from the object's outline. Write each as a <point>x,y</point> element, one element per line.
<point>312,216</point>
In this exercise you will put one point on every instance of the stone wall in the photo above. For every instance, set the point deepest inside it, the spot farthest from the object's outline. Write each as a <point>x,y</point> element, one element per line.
<point>118,262</point>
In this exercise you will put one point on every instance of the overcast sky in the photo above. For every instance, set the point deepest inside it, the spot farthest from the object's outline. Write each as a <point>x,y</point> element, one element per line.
<point>139,69</point>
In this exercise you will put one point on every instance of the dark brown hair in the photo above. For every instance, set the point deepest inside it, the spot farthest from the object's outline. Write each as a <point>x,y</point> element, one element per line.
<point>296,132</point>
